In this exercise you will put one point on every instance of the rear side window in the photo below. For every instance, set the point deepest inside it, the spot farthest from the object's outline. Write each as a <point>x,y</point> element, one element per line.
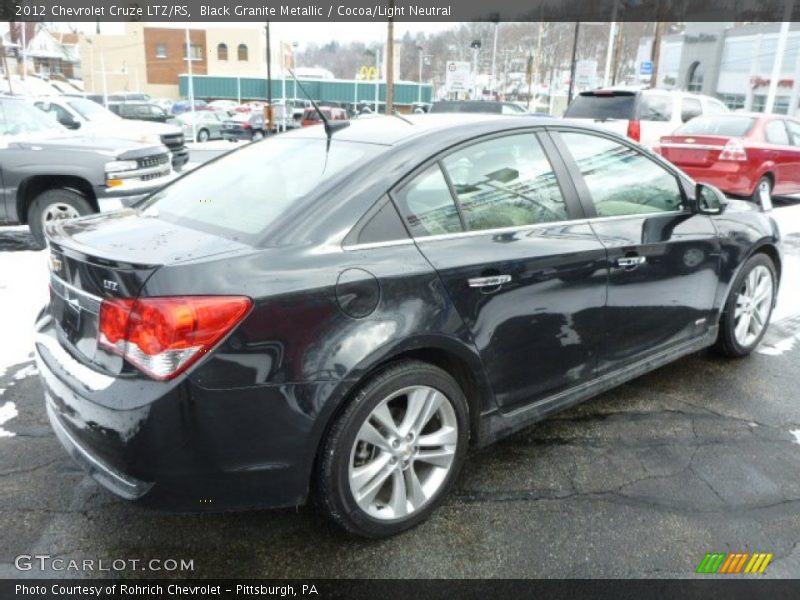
<point>621,180</point>
<point>427,205</point>
<point>775,132</point>
<point>247,192</point>
<point>602,106</point>
<point>690,108</point>
<point>505,182</point>
<point>655,107</point>
<point>732,126</point>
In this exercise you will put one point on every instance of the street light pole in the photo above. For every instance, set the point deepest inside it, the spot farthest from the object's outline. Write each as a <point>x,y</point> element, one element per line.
<point>419,87</point>
<point>777,66</point>
<point>612,32</point>
<point>378,78</point>
<point>269,82</point>
<point>494,60</point>
<point>191,83</point>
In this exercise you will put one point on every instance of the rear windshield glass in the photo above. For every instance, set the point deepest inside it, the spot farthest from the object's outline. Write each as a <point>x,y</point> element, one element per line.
<point>244,193</point>
<point>724,126</point>
<point>602,106</point>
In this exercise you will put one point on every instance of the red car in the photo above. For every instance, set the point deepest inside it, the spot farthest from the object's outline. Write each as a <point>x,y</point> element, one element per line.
<point>743,154</point>
<point>311,116</point>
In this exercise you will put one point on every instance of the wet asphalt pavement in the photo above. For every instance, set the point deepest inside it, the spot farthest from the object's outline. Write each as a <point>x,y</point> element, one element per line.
<point>696,457</point>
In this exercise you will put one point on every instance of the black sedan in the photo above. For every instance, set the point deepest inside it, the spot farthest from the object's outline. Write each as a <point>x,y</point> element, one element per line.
<point>348,315</point>
<point>249,126</point>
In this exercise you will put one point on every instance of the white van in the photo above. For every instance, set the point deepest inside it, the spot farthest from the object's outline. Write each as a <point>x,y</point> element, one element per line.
<point>642,115</point>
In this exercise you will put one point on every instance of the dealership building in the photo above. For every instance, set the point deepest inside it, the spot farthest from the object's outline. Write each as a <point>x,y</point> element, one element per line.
<point>733,62</point>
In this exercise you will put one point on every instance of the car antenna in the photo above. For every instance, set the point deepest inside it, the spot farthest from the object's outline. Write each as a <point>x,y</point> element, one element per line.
<point>396,113</point>
<point>330,128</point>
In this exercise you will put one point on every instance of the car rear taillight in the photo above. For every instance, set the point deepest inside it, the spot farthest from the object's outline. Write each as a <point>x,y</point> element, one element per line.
<point>165,336</point>
<point>733,150</point>
<point>634,130</point>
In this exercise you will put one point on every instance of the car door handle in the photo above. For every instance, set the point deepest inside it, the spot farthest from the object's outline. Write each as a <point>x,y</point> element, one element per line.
<point>491,281</point>
<point>631,262</point>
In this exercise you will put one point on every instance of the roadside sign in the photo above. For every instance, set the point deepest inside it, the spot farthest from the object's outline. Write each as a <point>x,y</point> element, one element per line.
<point>646,68</point>
<point>585,74</point>
<point>457,76</point>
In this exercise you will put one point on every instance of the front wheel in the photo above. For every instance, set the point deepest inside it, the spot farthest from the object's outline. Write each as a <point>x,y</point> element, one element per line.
<point>55,205</point>
<point>748,308</point>
<point>202,135</point>
<point>395,451</point>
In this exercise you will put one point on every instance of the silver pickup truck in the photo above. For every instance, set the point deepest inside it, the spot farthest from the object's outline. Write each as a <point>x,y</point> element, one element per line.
<point>49,173</point>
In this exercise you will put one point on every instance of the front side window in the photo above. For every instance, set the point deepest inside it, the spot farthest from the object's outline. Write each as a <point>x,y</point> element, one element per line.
<point>505,182</point>
<point>621,180</point>
<point>427,205</point>
<point>794,131</point>
<point>775,132</point>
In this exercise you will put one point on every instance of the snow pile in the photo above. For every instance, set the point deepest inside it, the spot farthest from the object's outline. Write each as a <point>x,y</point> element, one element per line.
<point>23,292</point>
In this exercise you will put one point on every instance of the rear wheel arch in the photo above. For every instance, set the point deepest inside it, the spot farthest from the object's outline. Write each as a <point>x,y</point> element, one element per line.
<point>465,370</point>
<point>30,188</point>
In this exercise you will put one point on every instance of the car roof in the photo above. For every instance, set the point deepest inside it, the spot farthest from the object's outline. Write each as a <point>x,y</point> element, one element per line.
<point>390,130</point>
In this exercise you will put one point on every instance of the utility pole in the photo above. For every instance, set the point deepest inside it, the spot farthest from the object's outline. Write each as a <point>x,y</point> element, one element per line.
<point>378,78</point>
<point>419,87</point>
<point>390,65</point>
<point>655,52</point>
<point>24,52</point>
<point>538,57</point>
<point>269,82</point>
<point>573,63</point>
<point>617,52</point>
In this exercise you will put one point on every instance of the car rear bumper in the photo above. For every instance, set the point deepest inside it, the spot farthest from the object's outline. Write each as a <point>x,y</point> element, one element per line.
<point>729,176</point>
<point>237,135</point>
<point>175,445</point>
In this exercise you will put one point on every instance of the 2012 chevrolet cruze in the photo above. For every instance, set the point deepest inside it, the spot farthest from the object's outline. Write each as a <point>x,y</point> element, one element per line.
<point>346,314</point>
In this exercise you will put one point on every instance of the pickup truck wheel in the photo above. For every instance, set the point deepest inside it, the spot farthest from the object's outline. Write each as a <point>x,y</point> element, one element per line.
<point>55,205</point>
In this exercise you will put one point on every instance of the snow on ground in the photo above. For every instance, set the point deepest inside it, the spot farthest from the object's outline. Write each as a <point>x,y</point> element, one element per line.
<point>7,412</point>
<point>23,292</point>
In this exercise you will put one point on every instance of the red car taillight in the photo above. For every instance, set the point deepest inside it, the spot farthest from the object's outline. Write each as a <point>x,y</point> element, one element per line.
<point>733,150</point>
<point>634,130</point>
<point>165,336</point>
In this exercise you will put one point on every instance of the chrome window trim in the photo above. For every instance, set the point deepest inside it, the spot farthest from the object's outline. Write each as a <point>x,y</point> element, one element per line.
<point>371,245</point>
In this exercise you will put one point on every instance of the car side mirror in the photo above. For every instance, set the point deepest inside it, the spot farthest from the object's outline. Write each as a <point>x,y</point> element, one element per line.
<point>709,199</point>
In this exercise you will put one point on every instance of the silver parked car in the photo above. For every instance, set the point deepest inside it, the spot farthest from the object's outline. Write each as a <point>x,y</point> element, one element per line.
<point>207,123</point>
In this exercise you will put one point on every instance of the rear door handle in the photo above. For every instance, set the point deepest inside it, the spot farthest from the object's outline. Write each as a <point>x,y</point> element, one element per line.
<point>631,262</point>
<point>491,281</point>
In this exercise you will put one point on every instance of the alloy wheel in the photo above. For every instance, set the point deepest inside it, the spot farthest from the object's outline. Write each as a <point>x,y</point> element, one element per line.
<point>753,305</point>
<point>403,452</point>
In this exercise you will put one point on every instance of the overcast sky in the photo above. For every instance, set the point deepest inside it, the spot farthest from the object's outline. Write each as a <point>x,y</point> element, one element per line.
<point>299,32</point>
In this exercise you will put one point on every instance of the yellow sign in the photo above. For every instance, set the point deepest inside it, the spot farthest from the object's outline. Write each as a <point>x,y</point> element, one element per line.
<point>368,73</point>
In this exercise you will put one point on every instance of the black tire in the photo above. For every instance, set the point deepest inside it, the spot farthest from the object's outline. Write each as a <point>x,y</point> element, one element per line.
<point>56,196</point>
<point>333,493</point>
<point>203,135</point>
<point>257,135</point>
<point>755,196</point>
<point>726,343</point>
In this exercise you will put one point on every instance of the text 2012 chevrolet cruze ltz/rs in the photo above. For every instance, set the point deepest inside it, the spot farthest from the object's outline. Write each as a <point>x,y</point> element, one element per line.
<point>342,313</point>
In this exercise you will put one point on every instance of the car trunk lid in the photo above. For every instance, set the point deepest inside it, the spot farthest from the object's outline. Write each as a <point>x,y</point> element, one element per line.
<point>112,256</point>
<point>692,150</point>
